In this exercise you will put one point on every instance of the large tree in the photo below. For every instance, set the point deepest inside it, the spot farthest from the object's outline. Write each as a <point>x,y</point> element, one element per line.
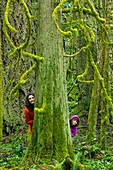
<point>51,134</point>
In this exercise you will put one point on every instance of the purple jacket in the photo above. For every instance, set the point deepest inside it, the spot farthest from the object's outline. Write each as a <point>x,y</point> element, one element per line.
<point>73,129</point>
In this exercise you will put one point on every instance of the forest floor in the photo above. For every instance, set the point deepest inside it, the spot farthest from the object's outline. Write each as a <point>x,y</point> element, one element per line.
<point>13,148</point>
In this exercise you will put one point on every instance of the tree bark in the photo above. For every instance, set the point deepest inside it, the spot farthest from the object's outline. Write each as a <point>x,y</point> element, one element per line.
<point>104,57</point>
<point>1,76</point>
<point>51,132</point>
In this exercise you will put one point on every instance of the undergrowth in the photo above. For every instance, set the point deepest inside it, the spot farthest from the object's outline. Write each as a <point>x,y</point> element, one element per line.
<point>12,149</point>
<point>87,157</point>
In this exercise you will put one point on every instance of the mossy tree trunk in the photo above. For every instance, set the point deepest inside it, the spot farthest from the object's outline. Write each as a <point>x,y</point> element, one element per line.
<point>1,78</point>
<point>93,111</point>
<point>84,88</point>
<point>105,73</point>
<point>16,62</point>
<point>1,93</point>
<point>51,134</point>
<point>99,103</point>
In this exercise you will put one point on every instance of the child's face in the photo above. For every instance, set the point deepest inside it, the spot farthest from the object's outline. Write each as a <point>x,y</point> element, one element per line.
<point>74,122</point>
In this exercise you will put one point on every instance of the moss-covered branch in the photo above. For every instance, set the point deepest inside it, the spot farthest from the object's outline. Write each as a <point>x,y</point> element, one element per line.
<point>88,34</point>
<point>82,76</point>
<point>54,15</point>
<point>78,52</point>
<point>92,11</point>
<point>6,23</point>
<point>101,80</point>
<point>88,11</point>
<point>96,14</point>
<point>20,49</point>
<point>42,109</point>
<point>6,17</point>
<point>32,56</point>
<point>23,80</point>
<point>28,18</point>
<point>7,36</point>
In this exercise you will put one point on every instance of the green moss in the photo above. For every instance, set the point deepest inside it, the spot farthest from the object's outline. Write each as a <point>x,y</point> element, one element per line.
<point>102,20</point>
<point>54,15</point>
<point>101,81</point>
<point>80,78</point>
<point>23,80</point>
<point>7,35</point>
<point>20,49</point>
<point>1,94</point>
<point>28,18</point>
<point>32,56</point>
<point>6,17</point>
<point>42,109</point>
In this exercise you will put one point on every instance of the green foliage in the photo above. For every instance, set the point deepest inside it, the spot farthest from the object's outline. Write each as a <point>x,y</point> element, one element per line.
<point>92,157</point>
<point>12,149</point>
<point>76,161</point>
<point>87,157</point>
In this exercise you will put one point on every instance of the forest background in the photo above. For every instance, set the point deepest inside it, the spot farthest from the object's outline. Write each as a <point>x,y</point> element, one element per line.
<point>83,55</point>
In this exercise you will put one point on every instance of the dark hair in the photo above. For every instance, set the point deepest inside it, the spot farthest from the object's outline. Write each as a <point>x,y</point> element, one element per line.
<point>76,121</point>
<point>28,104</point>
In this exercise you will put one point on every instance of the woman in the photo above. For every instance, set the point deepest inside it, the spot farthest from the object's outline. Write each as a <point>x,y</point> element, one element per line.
<point>29,111</point>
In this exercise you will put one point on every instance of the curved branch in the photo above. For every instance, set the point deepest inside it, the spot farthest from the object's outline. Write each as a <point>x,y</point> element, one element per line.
<point>22,81</point>
<point>54,15</point>
<point>6,17</point>
<point>101,80</point>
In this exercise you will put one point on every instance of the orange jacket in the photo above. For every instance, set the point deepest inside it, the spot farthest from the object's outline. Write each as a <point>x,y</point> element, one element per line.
<point>29,117</point>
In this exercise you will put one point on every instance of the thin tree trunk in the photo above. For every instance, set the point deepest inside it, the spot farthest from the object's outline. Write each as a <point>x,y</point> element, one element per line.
<point>93,112</point>
<point>105,72</point>
<point>1,78</point>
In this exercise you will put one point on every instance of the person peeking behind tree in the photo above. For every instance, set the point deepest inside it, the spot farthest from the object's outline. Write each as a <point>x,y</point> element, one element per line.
<point>29,111</point>
<point>74,123</point>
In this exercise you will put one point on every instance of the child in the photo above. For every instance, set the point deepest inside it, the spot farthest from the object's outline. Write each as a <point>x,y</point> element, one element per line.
<point>74,122</point>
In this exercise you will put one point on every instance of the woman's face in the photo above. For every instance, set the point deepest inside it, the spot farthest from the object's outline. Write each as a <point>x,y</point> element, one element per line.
<point>31,99</point>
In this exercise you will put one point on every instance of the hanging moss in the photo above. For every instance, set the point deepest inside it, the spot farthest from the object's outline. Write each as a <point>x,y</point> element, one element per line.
<point>22,81</point>
<point>32,56</point>
<point>89,36</point>
<point>88,32</point>
<point>82,76</point>
<point>101,81</point>
<point>42,109</point>
<point>20,49</point>
<point>102,20</point>
<point>54,15</point>
<point>7,36</point>
<point>6,17</point>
